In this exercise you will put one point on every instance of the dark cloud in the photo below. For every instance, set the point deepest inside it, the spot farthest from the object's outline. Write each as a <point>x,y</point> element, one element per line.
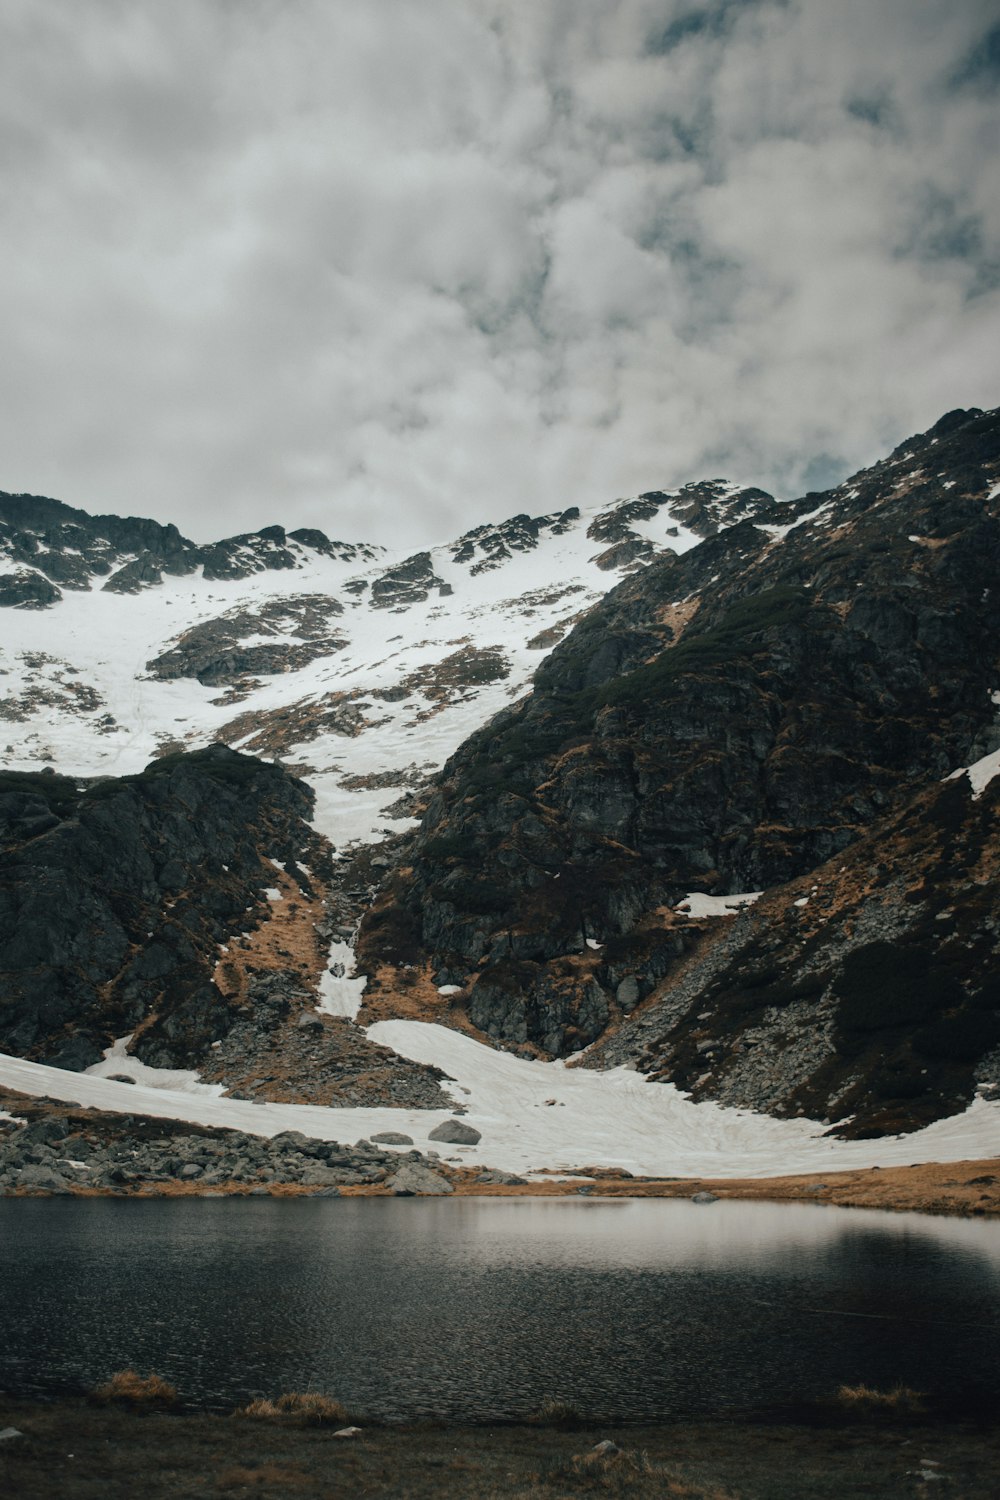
<point>395,269</point>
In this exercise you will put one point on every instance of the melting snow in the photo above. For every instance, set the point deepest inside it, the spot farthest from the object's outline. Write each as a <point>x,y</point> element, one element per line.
<point>615,1118</point>
<point>338,995</point>
<point>695,904</point>
<point>982,773</point>
<point>176,1081</point>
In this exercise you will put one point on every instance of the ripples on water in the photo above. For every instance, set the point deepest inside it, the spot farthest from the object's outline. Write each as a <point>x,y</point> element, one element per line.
<point>483,1309</point>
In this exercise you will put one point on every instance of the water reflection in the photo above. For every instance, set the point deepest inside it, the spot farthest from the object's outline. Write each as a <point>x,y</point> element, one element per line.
<point>484,1308</point>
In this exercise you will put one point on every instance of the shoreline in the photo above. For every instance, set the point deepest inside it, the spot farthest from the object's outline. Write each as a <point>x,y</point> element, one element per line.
<point>960,1189</point>
<point>60,1150</point>
<point>79,1451</point>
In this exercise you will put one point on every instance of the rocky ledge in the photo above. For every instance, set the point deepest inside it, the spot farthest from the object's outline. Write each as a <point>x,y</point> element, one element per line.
<point>56,1151</point>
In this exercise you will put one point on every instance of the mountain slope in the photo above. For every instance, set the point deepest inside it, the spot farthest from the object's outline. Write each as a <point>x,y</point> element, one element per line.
<point>726,721</point>
<point>123,641</point>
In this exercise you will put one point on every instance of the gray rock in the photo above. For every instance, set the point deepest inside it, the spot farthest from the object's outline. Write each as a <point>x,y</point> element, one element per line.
<point>392,1138</point>
<point>411,1179</point>
<point>45,1178</point>
<point>319,1176</point>
<point>503,1179</point>
<point>309,1020</point>
<point>704,1198</point>
<point>191,1169</point>
<point>456,1132</point>
<point>627,993</point>
<point>51,1128</point>
<point>120,1078</point>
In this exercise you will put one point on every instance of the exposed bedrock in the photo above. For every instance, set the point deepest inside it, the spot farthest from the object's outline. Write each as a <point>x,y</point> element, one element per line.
<point>726,720</point>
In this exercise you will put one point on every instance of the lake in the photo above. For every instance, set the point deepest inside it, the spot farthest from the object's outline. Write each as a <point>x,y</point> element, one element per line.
<point>482,1309</point>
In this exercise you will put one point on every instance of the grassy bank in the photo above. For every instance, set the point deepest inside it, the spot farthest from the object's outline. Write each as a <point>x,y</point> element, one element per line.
<point>75,1450</point>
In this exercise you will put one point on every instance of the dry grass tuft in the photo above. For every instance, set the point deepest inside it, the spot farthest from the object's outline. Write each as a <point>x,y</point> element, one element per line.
<point>129,1388</point>
<point>632,1473</point>
<point>557,1414</point>
<point>865,1400</point>
<point>270,1476</point>
<point>304,1409</point>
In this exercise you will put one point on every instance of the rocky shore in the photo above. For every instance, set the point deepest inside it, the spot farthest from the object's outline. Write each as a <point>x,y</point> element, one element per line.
<point>49,1149</point>
<point>84,1152</point>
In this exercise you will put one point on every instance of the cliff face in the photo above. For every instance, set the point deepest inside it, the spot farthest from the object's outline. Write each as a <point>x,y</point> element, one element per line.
<point>726,721</point>
<point>115,897</point>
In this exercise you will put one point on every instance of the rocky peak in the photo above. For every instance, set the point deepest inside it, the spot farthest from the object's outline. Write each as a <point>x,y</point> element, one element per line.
<point>49,546</point>
<point>725,720</point>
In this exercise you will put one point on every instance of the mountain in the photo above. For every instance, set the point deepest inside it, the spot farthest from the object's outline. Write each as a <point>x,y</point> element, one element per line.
<point>157,886</point>
<point>538,765</point>
<point>774,710</point>
<point>123,641</point>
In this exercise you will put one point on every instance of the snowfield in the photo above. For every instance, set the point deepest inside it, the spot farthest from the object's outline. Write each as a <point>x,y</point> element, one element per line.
<point>532,1115</point>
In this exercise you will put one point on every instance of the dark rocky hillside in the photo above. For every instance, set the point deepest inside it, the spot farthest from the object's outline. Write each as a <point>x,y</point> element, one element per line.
<point>191,907</point>
<point>116,895</point>
<point>731,720</point>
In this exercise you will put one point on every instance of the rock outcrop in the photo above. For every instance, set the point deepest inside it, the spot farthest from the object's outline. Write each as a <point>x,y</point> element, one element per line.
<point>730,720</point>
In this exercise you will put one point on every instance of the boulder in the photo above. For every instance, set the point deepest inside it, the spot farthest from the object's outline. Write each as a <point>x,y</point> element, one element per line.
<point>391,1138</point>
<point>414,1179</point>
<point>44,1178</point>
<point>456,1132</point>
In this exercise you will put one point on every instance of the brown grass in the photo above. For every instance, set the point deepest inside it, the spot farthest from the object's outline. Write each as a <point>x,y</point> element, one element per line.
<point>630,1472</point>
<point>303,1409</point>
<point>129,1388</point>
<point>557,1414</point>
<point>118,1454</point>
<point>266,1476</point>
<point>865,1400</point>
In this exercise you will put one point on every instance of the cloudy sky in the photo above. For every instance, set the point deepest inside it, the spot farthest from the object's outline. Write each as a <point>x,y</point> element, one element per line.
<point>395,267</point>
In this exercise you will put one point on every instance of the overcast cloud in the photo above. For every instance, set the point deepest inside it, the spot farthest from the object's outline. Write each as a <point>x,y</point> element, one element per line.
<point>396,267</point>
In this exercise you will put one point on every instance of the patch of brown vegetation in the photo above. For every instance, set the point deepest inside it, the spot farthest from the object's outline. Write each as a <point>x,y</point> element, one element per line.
<point>304,1409</point>
<point>864,1400</point>
<point>116,1455</point>
<point>287,940</point>
<point>270,1477</point>
<point>408,993</point>
<point>677,617</point>
<point>138,1392</point>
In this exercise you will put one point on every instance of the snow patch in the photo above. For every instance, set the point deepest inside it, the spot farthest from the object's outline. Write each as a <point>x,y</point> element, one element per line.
<point>338,995</point>
<point>177,1081</point>
<point>616,1118</point>
<point>696,904</point>
<point>982,773</point>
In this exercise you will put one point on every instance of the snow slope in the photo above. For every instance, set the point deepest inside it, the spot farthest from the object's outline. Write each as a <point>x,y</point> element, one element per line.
<point>534,1115</point>
<point>76,690</point>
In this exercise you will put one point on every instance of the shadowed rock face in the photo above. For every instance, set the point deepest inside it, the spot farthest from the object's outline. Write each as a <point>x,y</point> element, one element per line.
<point>726,720</point>
<point>115,896</point>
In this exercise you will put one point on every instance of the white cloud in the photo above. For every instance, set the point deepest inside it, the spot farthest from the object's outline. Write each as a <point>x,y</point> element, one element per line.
<point>395,269</point>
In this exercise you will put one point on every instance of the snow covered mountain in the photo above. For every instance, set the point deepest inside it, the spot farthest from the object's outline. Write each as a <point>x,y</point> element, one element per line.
<point>548,767</point>
<point>122,641</point>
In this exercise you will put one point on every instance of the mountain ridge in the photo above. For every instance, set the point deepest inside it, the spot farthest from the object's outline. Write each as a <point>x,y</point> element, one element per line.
<point>767,695</point>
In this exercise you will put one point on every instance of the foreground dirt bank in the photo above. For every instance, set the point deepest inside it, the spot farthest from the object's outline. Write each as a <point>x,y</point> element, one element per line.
<point>79,1452</point>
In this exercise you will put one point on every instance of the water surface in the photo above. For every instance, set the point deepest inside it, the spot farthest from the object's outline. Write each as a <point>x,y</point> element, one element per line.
<point>485,1308</point>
